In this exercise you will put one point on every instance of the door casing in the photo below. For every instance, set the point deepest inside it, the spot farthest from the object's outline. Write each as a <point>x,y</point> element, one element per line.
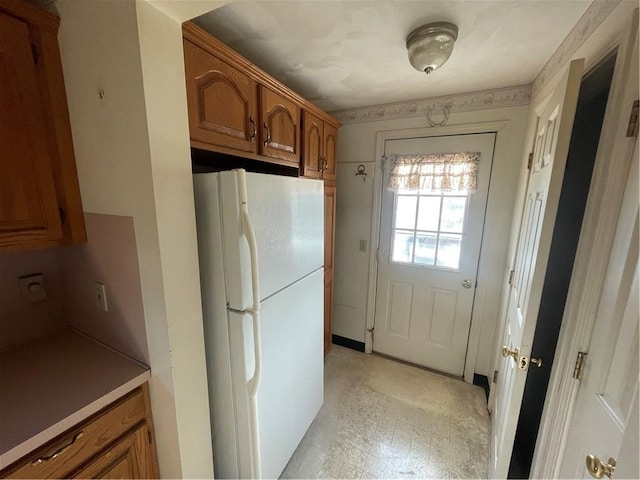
<point>491,274</point>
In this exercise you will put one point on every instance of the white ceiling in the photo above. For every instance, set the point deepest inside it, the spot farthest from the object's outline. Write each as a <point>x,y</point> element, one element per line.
<point>346,54</point>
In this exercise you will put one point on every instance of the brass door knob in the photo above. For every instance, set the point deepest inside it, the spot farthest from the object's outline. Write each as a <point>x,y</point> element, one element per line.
<point>507,352</point>
<point>536,361</point>
<point>597,469</point>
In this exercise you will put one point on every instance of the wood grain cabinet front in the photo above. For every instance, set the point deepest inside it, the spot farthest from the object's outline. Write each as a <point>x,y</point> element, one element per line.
<point>222,103</point>
<point>280,123</point>
<point>39,194</point>
<point>320,143</point>
<point>117,442</point>
<point>329,255</point>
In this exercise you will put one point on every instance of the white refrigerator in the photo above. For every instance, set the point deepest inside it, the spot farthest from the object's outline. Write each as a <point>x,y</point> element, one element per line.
<point>261,252</point>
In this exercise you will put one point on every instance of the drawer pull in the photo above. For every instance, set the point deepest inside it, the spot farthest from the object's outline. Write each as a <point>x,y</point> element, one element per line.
<point>58,452</point>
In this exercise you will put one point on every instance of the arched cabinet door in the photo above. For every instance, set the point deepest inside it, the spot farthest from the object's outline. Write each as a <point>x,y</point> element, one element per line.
<point>330,150</point>
<point>312,156</point>
<point>221,102</point>
<point>279,128</point>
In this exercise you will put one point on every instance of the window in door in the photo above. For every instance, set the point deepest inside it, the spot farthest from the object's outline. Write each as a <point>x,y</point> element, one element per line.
<point>428,228</point>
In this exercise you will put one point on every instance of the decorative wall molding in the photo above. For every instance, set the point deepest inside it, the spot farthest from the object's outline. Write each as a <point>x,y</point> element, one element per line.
<point>590,20</point>
<point>437,106</point>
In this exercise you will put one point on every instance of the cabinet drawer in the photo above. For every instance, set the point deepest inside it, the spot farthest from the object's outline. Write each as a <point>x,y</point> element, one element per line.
<point>69,451</point>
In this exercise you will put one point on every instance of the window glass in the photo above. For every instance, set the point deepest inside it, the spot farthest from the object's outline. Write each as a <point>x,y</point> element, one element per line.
<point>429,229</point>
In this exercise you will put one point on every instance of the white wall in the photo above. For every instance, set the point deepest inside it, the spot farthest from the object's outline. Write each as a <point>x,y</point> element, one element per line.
<point>132,154</point>
<point>357,145</point>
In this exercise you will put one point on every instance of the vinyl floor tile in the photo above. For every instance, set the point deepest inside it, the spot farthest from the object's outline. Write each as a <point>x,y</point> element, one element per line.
<point>385,419</point>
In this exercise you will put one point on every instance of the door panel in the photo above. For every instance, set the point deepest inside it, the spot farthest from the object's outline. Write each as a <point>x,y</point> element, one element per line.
<point>608,396</point>
<point>555,123</point>
<point>429,248</point>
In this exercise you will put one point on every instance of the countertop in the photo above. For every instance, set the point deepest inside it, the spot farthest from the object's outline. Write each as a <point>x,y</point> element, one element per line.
<point>51,384</point>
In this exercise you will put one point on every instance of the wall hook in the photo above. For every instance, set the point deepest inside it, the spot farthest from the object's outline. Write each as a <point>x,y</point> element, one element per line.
<point>445,118</point>
<point>362,172</point>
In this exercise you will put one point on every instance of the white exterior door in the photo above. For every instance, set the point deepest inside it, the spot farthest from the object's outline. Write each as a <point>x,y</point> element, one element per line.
<point>551,146</point>
<point>608,396</point>
<point>428,260</point>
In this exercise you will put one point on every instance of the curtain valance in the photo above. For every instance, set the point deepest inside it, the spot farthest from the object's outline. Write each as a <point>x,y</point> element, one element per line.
<point>438,172</point>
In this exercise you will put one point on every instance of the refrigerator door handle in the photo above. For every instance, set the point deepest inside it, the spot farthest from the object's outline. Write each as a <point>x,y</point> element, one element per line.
<point>254,311</point>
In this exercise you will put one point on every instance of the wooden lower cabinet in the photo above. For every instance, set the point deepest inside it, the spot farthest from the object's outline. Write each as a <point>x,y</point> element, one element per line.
<point>130,457</point>
<point>116,442</point>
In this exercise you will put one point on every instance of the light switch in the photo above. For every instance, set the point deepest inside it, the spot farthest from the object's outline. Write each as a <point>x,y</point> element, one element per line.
<point>32,288</point>
<point>363,246</point>
<point>100,296</point>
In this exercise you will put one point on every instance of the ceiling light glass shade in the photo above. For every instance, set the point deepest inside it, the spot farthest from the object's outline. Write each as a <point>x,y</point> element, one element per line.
<point>431,45</point>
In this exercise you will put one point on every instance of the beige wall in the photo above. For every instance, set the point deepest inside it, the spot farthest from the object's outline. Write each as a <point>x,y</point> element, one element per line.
<point>110,257</point>
<point>21,322</point>
<point>168,133</point>
<point>357,145</point>
<point>125,159</point>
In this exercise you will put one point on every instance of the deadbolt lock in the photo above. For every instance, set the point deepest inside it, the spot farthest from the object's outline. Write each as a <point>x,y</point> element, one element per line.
<point>597,469</point>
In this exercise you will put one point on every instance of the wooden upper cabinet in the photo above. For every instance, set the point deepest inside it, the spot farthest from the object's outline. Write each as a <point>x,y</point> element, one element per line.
<point>39,194</point>
<point>221,101</point>
<point>330,152</point>
<point>313,134</point>
<point>28,202</point>
<point>319,154</point>
<point>236,108</point>
<point>280,124</point>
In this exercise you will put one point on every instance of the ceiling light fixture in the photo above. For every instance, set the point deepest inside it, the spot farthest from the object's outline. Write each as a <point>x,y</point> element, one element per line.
<point>430,45</point>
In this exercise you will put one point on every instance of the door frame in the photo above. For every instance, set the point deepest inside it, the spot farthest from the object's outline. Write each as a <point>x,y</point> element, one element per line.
<point>492,274</point>
<point>613,160</point>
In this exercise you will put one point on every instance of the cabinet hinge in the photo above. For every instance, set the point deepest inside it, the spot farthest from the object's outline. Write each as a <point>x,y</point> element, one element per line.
<point>511,274</point>
<point>578,368</point>
<point>530,161</point>
<point>149,437</point>
<point>495,377</point>
<point>632,129</point>
<point>62,215</point>
<point>34,53</point>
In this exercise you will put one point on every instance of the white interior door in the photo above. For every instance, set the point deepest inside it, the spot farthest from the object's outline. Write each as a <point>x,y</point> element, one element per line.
<point>554,125</point>
<point>428,260</point>
<point>608,396</point>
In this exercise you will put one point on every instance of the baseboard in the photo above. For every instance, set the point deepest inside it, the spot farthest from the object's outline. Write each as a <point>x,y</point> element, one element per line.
<point>482,381</point>
<point>347,342</point>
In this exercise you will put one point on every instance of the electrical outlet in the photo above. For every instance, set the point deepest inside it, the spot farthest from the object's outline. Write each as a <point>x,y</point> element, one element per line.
<point>100,296</point>
<point>32,288</point>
